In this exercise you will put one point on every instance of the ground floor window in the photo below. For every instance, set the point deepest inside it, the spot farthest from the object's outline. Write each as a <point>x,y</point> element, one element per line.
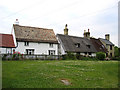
<point>30,51</point>
<point>111,54</point>
<point>90,53</point>
<point>51,52</point>
<point>106,54</point>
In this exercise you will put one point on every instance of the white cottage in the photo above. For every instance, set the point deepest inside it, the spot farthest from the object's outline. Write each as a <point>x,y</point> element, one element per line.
<point>34,40</point>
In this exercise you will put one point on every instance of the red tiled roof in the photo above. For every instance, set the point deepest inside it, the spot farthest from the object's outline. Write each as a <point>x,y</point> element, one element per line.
<point>7,41</point>
<point>34,34</point>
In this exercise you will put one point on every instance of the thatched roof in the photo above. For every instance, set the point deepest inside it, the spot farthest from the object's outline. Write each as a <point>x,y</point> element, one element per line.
<point>34,34</point>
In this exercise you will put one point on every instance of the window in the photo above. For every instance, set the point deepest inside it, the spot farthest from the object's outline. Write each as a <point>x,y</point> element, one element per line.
<point>58,46</point>
<point>90,53</point>
<point>51,52</point>
<point>111,54</point>
<point>106,54</point>
<point>51,45</point>
<point>85,53</point>
<point>88,46</point>
<point>103,46</point>
<point>30,51</point>
<point>77,45</point>
<point>110,47</point>
<point>26,43</point>
<point>17,44</point>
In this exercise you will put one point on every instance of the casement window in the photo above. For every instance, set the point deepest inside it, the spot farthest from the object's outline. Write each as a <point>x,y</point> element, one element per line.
<point>110,47</point>
<point>111,54</point>
<point>88,46</point>
<point>58,46</point>
<point>77,45</point>
<point>51,52</point>
<point>90,53</point>
<point>26,43</point>
<point>29,51</point>
<point>51,45</point>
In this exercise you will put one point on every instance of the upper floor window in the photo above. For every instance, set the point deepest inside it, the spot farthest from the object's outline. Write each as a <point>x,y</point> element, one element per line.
<point>26,43</point>
<point>110,47</point>
<point>51,45</point>
<point>88,46</point>
<point>77,45</point>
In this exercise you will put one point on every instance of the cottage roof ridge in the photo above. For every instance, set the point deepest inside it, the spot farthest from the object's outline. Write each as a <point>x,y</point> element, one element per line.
<point>31,27</point>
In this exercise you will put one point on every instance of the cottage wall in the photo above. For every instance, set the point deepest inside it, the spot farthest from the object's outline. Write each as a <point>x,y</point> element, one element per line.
<point>6,50</point>
<point>39,48</point>
<point>108,48</point>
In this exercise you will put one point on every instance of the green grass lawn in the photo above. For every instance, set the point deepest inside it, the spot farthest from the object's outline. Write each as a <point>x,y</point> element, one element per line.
<point>48,74</point>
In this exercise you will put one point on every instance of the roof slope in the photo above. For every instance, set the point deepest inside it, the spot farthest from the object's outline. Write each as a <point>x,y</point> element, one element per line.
<point>106,41</point>
<point>7,41</point>
<point>98,45</point>
<point>34,34</point>
<point>69,43</point>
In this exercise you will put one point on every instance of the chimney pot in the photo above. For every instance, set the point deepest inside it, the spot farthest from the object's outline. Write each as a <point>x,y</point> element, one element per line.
<point>88,30</point>
<point>17,22</point>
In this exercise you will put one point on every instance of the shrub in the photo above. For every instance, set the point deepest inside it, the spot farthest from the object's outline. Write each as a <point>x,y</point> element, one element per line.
<point>17,56</point>
<point>69,56</point>
<point>89,58</point>
<point>78,56</point>
<point>4,57</point>
<point>116,58</point>
<point>100,55</point>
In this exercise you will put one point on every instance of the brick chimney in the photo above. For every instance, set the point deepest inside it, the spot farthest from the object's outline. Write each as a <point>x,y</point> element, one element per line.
<point>107,37</point>
<point>66,30</point>
<point>87,34</point>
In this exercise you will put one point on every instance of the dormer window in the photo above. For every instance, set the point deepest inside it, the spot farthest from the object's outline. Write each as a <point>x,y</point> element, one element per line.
<point>77,45</point>
<point>88,46</point>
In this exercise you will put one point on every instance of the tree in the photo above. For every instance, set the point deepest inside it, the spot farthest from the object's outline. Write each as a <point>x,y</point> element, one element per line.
<point>116,51</point>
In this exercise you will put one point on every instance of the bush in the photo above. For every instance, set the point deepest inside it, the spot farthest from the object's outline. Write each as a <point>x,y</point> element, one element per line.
<point>115,58</point>
<point>78,56</point>
<point>100,55</point>
<point>4,57</point>
<point>17,56</point>
<point>69,56</point>
<point>89,58</point>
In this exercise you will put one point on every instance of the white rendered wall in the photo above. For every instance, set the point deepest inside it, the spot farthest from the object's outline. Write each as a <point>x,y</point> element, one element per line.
<point>92,54</point>
<point>61,50</point>
<point>6,50</point>
<point>39,48</point>
<point>14,38</point>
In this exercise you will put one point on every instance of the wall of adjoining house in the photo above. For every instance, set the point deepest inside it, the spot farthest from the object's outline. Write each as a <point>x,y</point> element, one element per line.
<point>39,48</point>
<point>6,50</point>
<point>110,51</point>
<point>108,48</point>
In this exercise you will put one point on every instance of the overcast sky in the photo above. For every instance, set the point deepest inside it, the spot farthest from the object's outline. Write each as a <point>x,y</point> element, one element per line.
<point>100,16</point>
